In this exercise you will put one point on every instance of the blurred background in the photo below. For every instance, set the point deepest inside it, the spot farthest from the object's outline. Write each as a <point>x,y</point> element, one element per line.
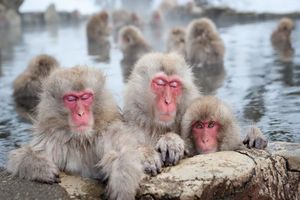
<point>261,84</point>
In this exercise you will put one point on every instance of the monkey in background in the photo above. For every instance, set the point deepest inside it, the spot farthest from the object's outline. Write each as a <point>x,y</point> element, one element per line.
<point>98,30</point>
<point>204,46</point>
<point>176,40</point>
<point>98,27</point>
<point>281,39</point>
<point>79,131</point>
<point>209,126</point>
<point>133,46</point>
<point>157,94</point>
<point>27,86</point>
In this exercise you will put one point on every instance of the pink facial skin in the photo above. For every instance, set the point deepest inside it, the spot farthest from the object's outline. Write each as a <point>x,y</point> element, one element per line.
<point>79,104</point>
<point>167,89</point>
<point>205,136</point>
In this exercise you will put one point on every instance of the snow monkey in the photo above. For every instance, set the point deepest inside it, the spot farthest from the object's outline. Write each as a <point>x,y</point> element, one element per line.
<point>78,130</point>
<point>133,46</point>
<point>210,126</point>
<point>27,86</point>
<point>281,39</point>
<point>157,93</point>
<point>204,46</point>
<point>176,40</point>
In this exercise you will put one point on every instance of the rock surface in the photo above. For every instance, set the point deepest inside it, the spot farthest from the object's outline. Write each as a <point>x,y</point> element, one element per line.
<point>243,174</point>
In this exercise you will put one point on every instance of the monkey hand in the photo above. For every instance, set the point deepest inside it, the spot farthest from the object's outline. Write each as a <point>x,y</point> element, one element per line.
<point>45,171</point>
<point>255,139</point>
<point>171,148</point>
<point>152,163</point>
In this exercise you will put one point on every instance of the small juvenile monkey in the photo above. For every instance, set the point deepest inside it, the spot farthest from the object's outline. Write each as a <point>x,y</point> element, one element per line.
<point>209,126</point>
<point>157,93</point>
<point>27,86</point>
<point>79,131</point>
<point>281,38</point>
<point>133,46</point>
<point>204,46</point>
<point>176,40</point>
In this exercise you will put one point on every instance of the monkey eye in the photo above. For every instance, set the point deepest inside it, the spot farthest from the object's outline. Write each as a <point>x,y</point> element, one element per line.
<point>199,125</point>
<point>211,124</point>
<point>160,82</point>
<point>174,84</point>
<point>86,96</point>
<point>71,98</point>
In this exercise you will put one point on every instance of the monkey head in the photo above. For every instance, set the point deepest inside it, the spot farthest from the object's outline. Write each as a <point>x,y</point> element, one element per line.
<point>73,97</point>
<point>129,36</point>
<point>201,29</point>
<point>163,84</point>
<point>209,126</point>
<point>42,65</point>
<point>286,25</point>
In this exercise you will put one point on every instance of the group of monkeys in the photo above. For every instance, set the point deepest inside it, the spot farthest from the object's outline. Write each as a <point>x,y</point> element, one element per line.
<point>79,129</point>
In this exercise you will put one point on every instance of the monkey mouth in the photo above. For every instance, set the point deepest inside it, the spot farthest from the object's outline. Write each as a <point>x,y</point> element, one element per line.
<point>167,117</point>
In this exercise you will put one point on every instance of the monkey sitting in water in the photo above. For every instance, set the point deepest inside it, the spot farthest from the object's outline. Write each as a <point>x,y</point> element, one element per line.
<point>27,86</point>
<point>204,46</point>
<point>209,126</point>
<point>281,39</point>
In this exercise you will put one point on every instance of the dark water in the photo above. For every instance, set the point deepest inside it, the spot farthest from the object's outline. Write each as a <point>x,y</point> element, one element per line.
<point>260,88</point>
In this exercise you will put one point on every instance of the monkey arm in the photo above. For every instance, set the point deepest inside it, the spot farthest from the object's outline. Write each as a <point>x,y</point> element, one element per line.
<point>120,162</point>
<point>171,147</point>
<point>29,164</point>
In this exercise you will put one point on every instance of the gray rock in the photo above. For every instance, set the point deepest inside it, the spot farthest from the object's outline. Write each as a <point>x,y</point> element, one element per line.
<point>15,188</point>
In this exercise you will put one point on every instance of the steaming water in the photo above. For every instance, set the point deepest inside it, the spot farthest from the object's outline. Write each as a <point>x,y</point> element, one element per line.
<point>259,87</point>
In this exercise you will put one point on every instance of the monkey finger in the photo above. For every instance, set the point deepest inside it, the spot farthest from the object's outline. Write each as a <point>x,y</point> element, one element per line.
<point>171,157</point>
<point>162,154</point>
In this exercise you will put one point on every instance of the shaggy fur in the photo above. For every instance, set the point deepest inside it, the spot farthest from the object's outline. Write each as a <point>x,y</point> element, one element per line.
<point>203,43</point>
<point>211,108</point>
<point>27,86</point>
<point>176,41</point>
<point>139,102</point>
<point>107,151</point>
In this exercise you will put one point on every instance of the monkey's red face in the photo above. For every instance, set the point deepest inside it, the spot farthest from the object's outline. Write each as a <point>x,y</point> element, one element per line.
<point>79,105</point>
<point>205,136</point>
<point>167,90</point>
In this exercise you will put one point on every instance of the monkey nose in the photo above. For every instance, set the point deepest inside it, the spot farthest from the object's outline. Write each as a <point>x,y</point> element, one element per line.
<point>80,114</point>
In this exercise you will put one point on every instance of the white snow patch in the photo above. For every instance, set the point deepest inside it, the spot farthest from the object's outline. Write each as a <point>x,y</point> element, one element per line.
<point>83,6</point>
<point>259,6</point>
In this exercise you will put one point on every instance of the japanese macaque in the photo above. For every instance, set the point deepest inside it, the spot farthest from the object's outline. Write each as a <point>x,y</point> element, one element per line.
<point>121,18</point>
<point>156,20</point>
<point>78,131</point>
<point>176,40</point>
<point>133,46</point>
<point>98,30</point>
<point>157,93</point>
<point>203,43</point>
<point>27,86</point>
<point>98,26</point>
<point>209,126</point>
<point>281,39</point>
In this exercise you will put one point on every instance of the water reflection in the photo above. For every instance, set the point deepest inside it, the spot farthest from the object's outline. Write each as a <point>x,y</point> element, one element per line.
<point>209,78</point>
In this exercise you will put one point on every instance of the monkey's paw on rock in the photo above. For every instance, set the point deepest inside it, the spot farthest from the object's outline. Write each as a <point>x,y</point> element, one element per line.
<point>243,174</point>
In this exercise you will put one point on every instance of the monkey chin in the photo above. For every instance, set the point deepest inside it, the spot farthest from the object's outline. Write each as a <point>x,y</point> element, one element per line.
<point>206,151</point>
<point>166,119</point>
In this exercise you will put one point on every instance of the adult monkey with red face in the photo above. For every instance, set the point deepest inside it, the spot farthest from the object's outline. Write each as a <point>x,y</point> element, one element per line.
<point>209,126</point>
<point>78,130</point>
<point>158,91</point>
